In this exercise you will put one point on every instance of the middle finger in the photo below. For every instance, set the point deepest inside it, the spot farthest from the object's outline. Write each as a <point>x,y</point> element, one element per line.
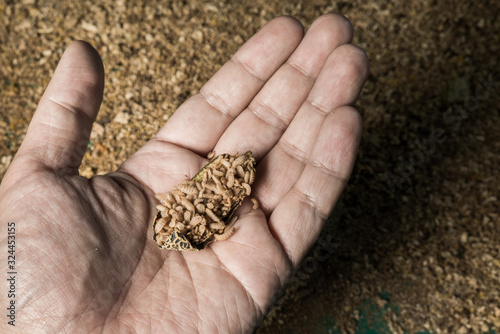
<point>259,127</point>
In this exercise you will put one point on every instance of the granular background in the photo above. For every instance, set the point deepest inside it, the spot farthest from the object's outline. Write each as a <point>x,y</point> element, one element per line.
<point>417,245</point>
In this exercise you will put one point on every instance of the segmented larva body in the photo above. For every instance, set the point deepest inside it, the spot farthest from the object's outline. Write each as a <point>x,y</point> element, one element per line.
<point>255,203</point>
<point>212,215</point>
<point>200,208</point>
<point>160,207</point>
<point>252,177</point>
<point>218,173</point>
<point>225,235</point>
<point>217,226</point>
<point>228,230</point>
<point>238,161</point>
<point>188,189</point>
<point>230,178</point>
<point>247,187</point>
<point>177,197</point>
<point>160,224</point>
<point>240,171</point>
<point>195,220</point>
<point>188,205</point>
<point>175,215</point>
<point>211,186</point>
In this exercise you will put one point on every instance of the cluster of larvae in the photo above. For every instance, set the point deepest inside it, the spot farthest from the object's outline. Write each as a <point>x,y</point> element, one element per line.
<point>200,211</point>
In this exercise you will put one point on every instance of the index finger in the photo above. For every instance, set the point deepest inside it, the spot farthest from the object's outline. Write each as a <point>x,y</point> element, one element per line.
<point>200,121</point>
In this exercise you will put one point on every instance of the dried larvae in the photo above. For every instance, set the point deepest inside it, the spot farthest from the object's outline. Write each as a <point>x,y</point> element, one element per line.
<point>199,211</point>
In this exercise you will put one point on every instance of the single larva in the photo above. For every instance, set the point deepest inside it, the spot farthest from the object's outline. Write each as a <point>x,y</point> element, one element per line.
<point>195,221</point>
<point>247,187</point>
<point>240,171</point>
<point>230,178</point>
<point>255,203</point>
<point>188,189</point>
<point>200,208</point>
<point>218,173</point>
<point>217,226</point>
<point>187,204</point>
<point>225,235</point>
<point>251,179</point>
<point>238,161</point>
<point>200,211</point>
<point>228,230</point>
<point>212,215</point>
<point>161,223</point>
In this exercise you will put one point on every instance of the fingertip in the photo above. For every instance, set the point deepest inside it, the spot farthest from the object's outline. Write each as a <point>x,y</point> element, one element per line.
<point>59,130</point>
<point>287,27</point>
<point>291,22</point>
<point>80,57</point>
<point>339,136</point>
<point>358,59</point>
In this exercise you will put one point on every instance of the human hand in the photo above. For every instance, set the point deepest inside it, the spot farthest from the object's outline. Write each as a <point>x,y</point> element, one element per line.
<point>85,260</point>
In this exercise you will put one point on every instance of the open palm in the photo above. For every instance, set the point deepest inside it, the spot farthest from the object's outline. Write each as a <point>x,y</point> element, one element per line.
<point>85,259</point>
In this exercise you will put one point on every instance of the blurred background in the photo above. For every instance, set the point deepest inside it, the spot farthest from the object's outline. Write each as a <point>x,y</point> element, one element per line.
<point>417,244</point>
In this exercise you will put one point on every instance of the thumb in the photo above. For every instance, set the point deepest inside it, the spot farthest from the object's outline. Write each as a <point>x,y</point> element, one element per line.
<point>58,134</point>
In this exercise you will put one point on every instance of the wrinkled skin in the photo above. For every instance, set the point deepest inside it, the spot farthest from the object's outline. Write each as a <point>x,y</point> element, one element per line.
<point>84,254</point>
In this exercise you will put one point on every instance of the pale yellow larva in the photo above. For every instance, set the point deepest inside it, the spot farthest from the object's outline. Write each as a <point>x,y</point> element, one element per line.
<point>196,220</point>
<point>238,161</point>
<point>240,171</point>
<point>225,235</point>
<point>188,189</point>
<point>216,180</point>
<point>160,224</point>
<point>160,207</point>
<point>187,216</point>
<point>187,204</point>
<point>217,173</point>
<point>200,208</point>
<point>230,178</point>
<point>212,215</point>
<point>228,230</point>
<point>198,185</point>
<point>255,203</point>
<point>252,176</point>
<point>247,187</point>
<point>202,229</point>
<point>217,226</point>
